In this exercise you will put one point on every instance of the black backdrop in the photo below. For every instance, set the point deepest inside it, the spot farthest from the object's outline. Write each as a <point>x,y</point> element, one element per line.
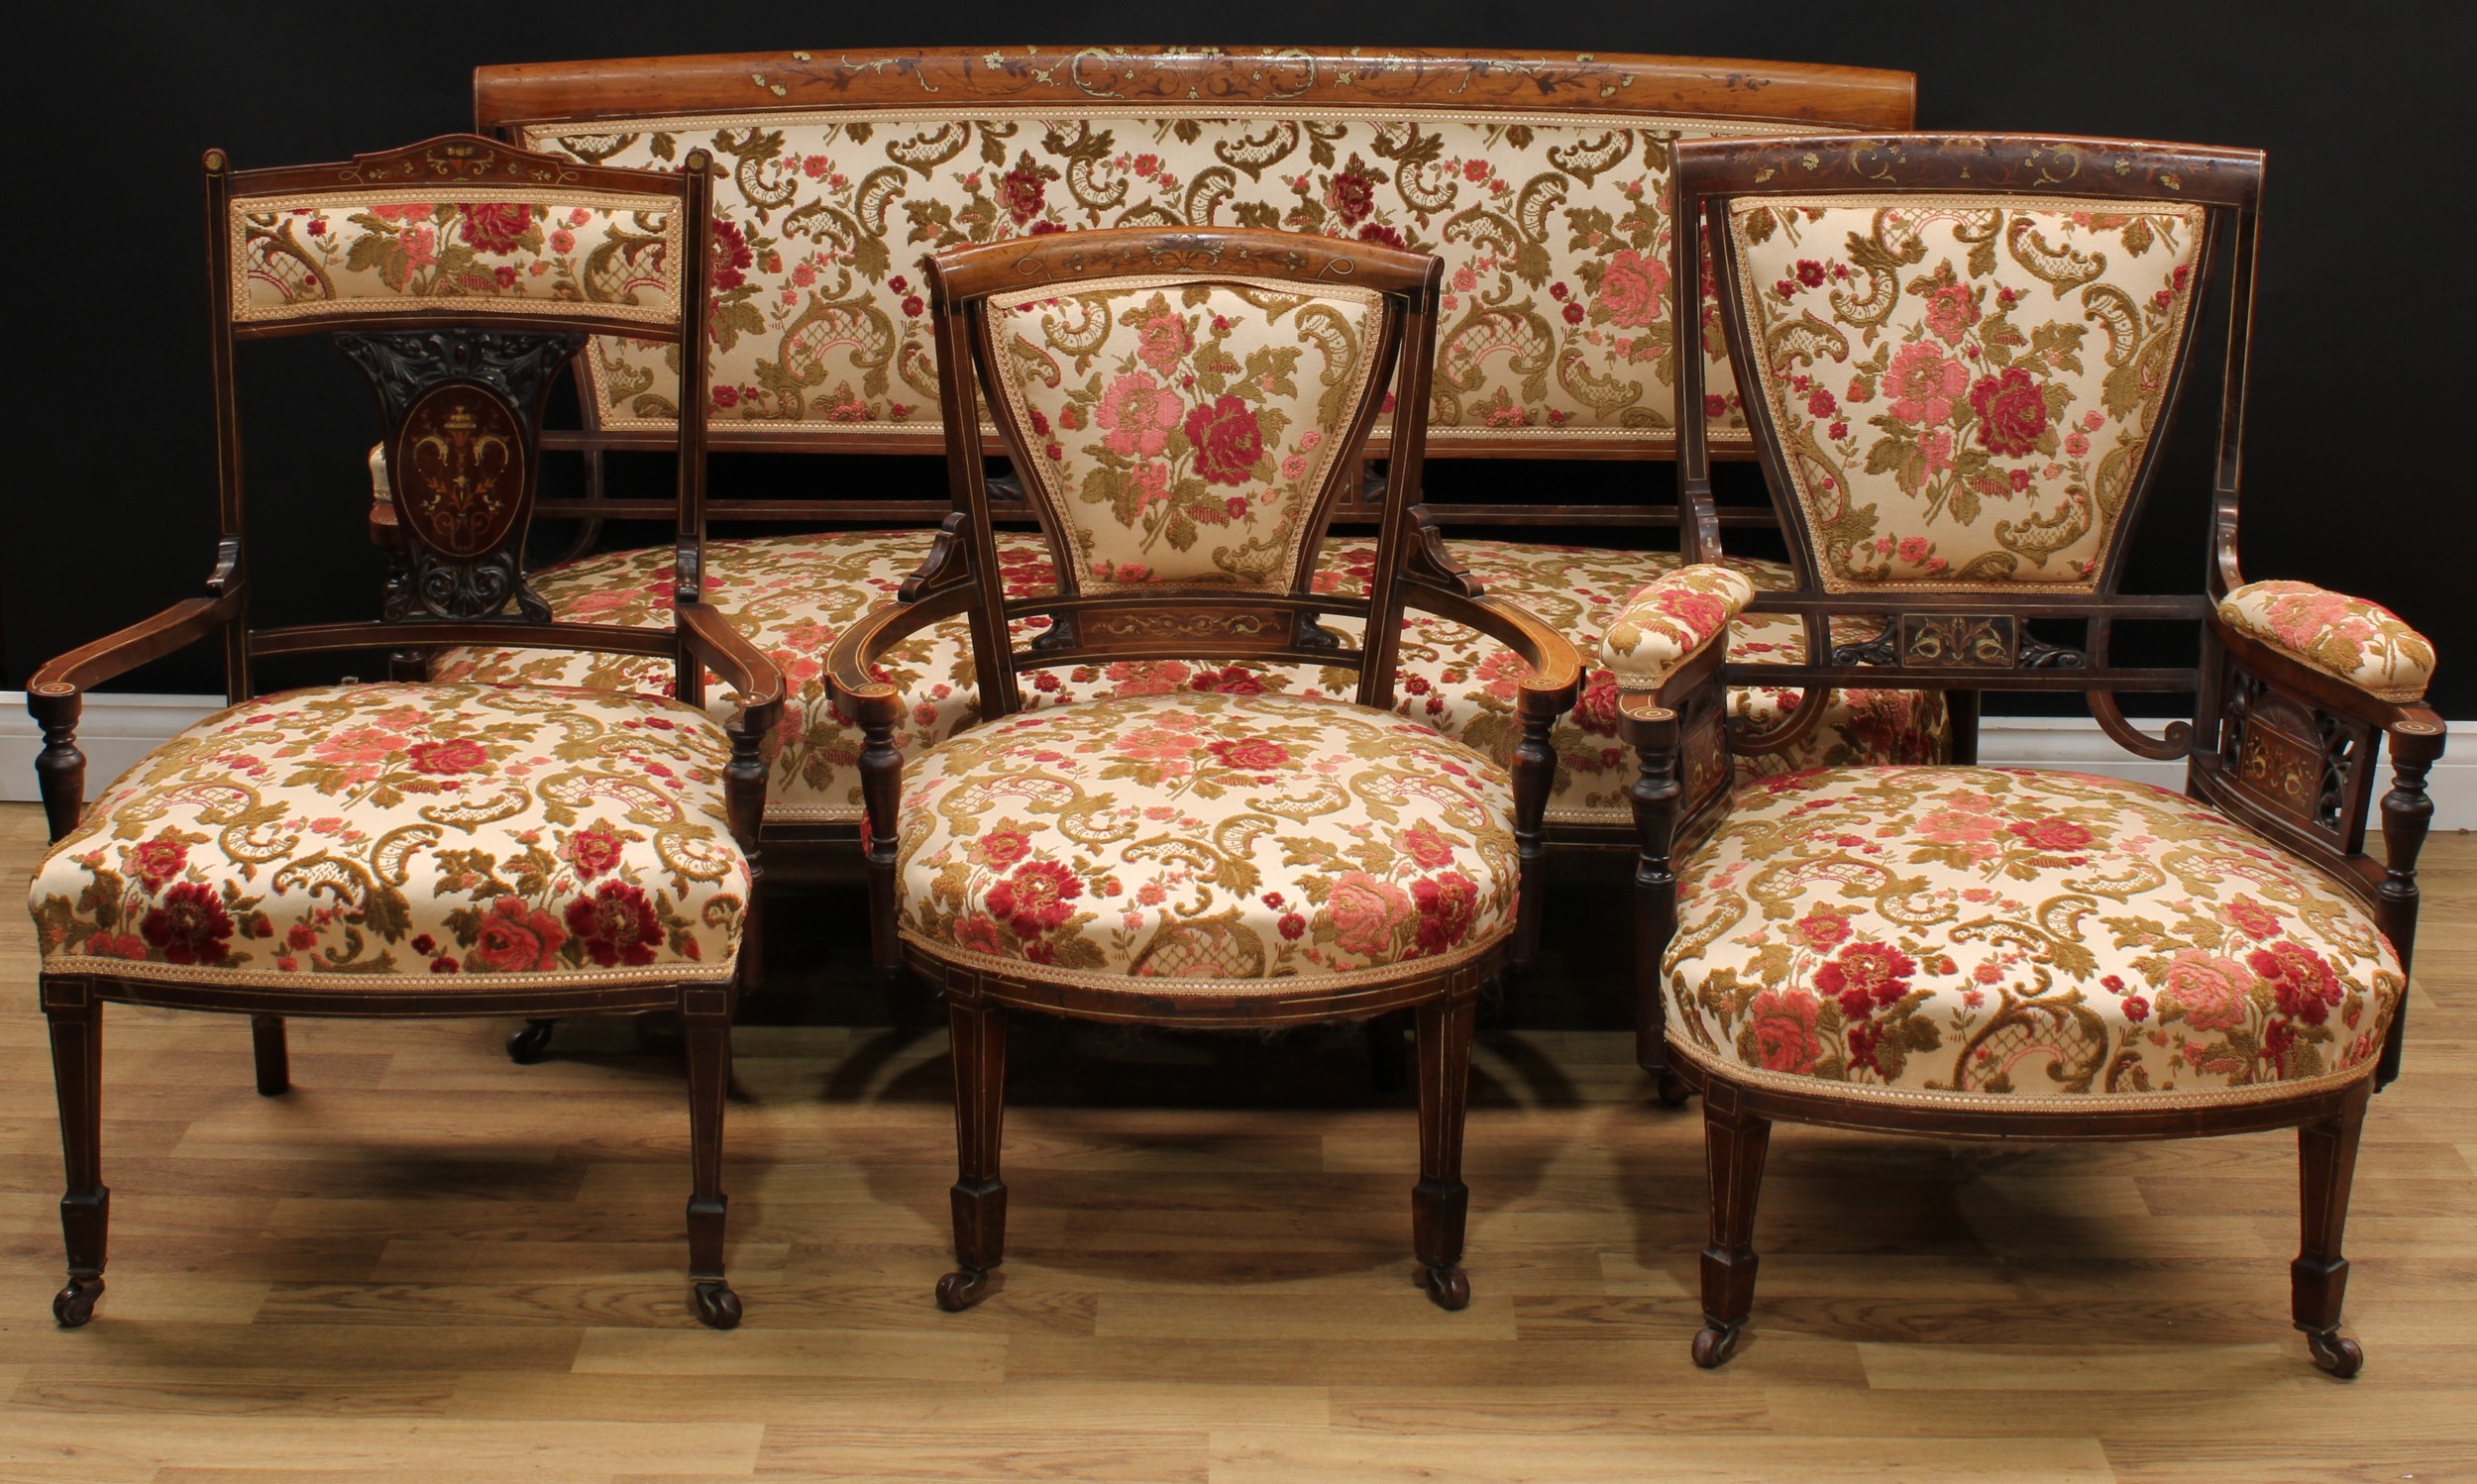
<point>2355,470</point>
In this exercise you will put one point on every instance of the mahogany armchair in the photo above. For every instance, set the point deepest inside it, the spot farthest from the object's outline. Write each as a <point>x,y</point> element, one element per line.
<point>1959,358</point>
<point>1185,408</point>
<point>414,849</point>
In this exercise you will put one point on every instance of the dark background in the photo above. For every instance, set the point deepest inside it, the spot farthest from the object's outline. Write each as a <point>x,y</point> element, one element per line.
<point>2355,474</point>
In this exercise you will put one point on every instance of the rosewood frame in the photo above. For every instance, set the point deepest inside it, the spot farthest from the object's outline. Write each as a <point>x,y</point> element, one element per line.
<point>2275,745</point>
<point>962,576</point>
<point>450,341</point>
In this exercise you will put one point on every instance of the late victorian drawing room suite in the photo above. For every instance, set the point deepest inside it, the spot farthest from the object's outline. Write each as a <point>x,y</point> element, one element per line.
<point>841,762</point>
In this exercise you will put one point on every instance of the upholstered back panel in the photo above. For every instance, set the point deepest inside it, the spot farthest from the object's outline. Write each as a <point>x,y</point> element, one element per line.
<point>1965,387</point>
<point>314,253</point>
<point>1182,427</point>
<point>1553,227</point>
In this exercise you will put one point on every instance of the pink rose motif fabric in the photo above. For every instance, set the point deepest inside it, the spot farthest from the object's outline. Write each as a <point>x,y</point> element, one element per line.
<point>2017,937</point>
<point>1965,387</point>
<point>1665,624</point>
<point>2347,638</point>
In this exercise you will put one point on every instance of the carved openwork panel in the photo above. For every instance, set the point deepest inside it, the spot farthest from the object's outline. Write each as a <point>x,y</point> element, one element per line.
<point>2296,760</point>
<point>1959,641</point>
<point>463,410</point>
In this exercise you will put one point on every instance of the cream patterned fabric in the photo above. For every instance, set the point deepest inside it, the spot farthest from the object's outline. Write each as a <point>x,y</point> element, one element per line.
<point>1965,386</point>
<point>1248,839</point>
<point>1665,624</point>
<point>792,595</point>
<point>1556,315</point>
<point>393,836</point>
<point>1180,428</point>
<point>2348,638</point>
<point>490,248</point>
<point>2016,936</point>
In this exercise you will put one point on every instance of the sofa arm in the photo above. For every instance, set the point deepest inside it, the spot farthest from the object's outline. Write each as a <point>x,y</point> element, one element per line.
<point>2358,643</point>
<point>1669,622</point>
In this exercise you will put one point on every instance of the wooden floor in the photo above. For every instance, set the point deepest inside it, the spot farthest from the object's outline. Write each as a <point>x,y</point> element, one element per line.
<point>426,1258</point>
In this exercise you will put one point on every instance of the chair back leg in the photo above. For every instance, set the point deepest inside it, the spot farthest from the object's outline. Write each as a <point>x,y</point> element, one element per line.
<point>978,1197</point>
<point>706,1028</point>
<point>1441,1202</point>
<point>273,1058</point>
<point>75,1016</point>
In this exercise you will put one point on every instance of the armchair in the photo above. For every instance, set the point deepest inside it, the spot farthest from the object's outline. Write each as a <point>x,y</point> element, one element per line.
<point>417,850</point>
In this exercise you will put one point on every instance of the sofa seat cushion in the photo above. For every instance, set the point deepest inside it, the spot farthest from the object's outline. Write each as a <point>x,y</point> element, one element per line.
<point>793,594</point>
<point>2016,938</point>
<point>1235,840</point>
<point>422,836</point>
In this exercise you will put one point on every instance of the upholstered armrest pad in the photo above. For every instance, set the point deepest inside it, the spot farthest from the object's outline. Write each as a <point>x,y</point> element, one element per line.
<point>1666,623</point>
<point>2347,638</point>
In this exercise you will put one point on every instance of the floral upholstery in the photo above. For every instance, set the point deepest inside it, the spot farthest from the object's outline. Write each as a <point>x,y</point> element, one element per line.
<point>792,595</point>
<point>1257,839</point>
<point>391,837</point>
<point>1557,318</point>
<point>1665,624</point>
<point>1180,426</point>
<point>496,248</point>
<point>2362,643</point>
<point>1966,387</point>
<point>2019,936</point>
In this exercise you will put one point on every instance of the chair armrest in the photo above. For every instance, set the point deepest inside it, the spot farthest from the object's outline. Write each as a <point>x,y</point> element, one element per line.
<point>728,653</point>
<point>90,665</point>
<point>2360,644</point>
<point>1670,622</point>
<point>1553,676</point>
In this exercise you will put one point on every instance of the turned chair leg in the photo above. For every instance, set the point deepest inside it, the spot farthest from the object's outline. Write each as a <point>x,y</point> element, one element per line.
<point>1734,1145</point>
<point>1441,1202</point>
<point>75,1016</point>
<point>275,1062</point>
<point>530,1042</point>
<point>705,1030</point>
<point>979,1029</point>
<point>1387,1067</point>
<point>2319,1279</point>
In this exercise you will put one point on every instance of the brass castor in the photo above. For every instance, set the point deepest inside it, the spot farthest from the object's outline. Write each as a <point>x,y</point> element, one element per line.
<point>1447,1288</point>
<point>74,1305</point>
<point>717,1308</point>
<point>1715,1343</point>
<point>1672,1091</point>
<point>961,1289</point>
<point>2335,1352</point>
<point>530,1042</point>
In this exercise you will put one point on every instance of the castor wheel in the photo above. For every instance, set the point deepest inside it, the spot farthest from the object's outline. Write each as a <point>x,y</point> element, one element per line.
<point>74,1305</point>
<point>530,1043</point>
<point>1715,1343</point>
<point>2333,1351</point>
<point>1672,1091</point>
<point>1447,1288</point>
<point>961,1289</point>
<point>717,1308</point>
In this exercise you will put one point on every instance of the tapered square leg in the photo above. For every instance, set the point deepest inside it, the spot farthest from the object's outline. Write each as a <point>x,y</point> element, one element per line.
<point>706,1028</point>
<point>1441,1202</point>
<point>978,1197</point>
<point>274,1060</point>
<point>2319,1279</point>
<point>75,1016</point>
<point>1735,1142</point>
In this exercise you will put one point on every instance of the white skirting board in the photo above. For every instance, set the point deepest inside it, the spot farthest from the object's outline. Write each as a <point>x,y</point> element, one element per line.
<point>116,731</point>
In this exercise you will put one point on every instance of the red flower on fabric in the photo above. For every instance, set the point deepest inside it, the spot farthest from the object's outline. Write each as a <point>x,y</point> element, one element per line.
<point>1424,843</point>
<point>1596,712</point>
<point>2012,411</point>
<point>1034,899</point>
<point>594,850</point>
<point>2300,983</point>
<point>730,255</point>
<point>1380,234</point>
<point>2251,917</point>
<point>1365,912</point>
<point>1923,384</point>
<point>188,926</point>
<point>1002,848</point>
<point>158,860</point>
<point>1866,975</point>
<point>517,939</point>
<point>2056,835</point>
<point>1228,442</point>
<point>1252,755</point>
<point>1784,1031</point>
<point>1634,289</point>
<point>1950,310</point>
<point>456,755</point>
<point>495,225</point>
<point>617,926</point>
<point>1353,192</point>
<point>1020,189</point>
<point>1447,905</point>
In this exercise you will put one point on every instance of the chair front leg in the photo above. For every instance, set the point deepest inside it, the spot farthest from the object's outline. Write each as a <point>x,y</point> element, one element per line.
<point>978,1199</point>
<point>75,1016</point>
<point>2317,1280</point>
<point>706,1028</point>
<point>1655,794</point>
<point>1735,1142</point>
<point>1441,1202</point>
<point>273,1058</point>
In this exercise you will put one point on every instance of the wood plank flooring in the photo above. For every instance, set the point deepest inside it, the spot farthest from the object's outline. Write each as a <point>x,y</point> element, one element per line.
<point>430,1262</point>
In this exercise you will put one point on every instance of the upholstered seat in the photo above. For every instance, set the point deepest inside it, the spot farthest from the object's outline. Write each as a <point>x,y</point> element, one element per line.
<point>1254,841</point>
<point>793,594</point>
<point>389,836</point>
<point>1993,935</point>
